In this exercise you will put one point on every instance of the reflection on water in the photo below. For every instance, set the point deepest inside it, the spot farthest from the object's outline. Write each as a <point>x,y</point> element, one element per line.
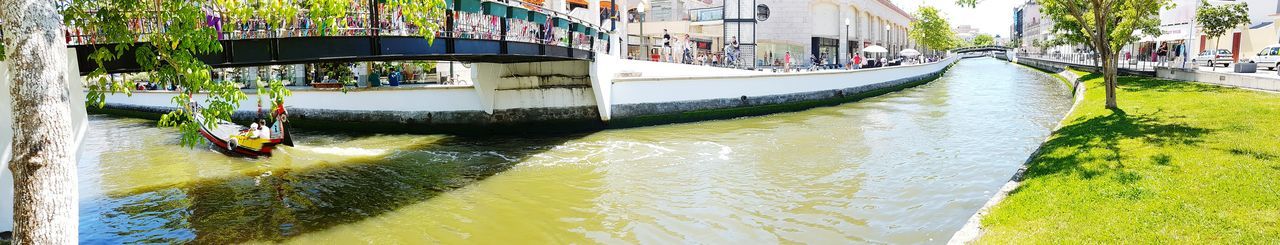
<point>907,167</point>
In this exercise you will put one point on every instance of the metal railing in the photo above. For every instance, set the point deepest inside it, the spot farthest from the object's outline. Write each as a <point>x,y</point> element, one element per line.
<point>362,20</point>
<point>1129,62</point>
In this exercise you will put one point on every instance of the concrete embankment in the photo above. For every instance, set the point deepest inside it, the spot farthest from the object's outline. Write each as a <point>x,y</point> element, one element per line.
<point>567,96</point>
<point>655,100</point>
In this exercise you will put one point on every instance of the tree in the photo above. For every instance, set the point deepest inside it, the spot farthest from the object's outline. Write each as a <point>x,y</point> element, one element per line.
<point>1106,25</point>
<point>931,30</point>
<point>34,45</point>
<point>43,171</point>
<point>1015,42</point>
<point>983,40</point>
<point>1217,20</point>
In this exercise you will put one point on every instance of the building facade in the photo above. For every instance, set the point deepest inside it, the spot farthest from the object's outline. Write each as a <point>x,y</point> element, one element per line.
<point>701,20</point>
<point>1029,25</point>
<point>966,32</point>
<point>830,30</point>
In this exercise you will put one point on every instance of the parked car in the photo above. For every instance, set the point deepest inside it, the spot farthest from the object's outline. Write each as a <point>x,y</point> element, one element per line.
<point>1269,57</point>
<point>1213,57</point>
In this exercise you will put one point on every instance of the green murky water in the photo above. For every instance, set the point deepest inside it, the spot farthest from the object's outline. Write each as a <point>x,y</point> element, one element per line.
<point>906,167</point>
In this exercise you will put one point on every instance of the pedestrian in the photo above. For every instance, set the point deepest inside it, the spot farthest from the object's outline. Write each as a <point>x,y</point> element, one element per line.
<point>857,61</point>
<point>666,46</point>
<point>786,62</point>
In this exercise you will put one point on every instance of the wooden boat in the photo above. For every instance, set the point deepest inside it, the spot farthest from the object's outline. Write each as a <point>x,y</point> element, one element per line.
<point>232,139</point>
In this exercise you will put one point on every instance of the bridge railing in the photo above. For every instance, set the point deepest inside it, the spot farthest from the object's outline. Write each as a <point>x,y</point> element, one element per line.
<point>497,20</point>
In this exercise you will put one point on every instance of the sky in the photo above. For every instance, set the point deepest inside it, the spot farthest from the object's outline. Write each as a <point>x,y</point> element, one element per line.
<point>990,16</point>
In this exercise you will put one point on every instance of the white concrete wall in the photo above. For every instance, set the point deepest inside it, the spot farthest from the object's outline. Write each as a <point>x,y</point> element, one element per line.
<point>501,86</point>
<point>544,98</point>
<point>691,88</point>
<point>533,85</point>
<point>506,86</point>
<point>444,98</point>
<point>1251,81</point>
<point>640,68</point>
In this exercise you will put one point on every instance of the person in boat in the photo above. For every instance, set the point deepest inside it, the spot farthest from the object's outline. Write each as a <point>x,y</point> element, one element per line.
<point>254,137</point>
<point>261,127</point>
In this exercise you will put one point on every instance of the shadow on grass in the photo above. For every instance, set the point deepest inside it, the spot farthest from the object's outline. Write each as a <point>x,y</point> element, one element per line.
<point>1069,150</point>
<point>1253,153</point>
<point>275,206</point>
<point>1090,76</point>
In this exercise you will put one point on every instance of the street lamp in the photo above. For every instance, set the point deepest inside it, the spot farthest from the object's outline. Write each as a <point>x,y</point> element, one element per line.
<point>847,38</point>
<point>644,41</point>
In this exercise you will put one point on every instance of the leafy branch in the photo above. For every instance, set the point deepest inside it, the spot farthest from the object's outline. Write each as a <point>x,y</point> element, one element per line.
<point>166,38</point>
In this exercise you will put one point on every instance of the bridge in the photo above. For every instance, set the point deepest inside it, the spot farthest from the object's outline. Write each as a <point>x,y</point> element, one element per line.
<point>985,48</point>
<point>487,31</point>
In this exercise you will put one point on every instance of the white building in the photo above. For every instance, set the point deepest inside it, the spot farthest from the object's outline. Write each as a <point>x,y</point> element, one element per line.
<point>832,29</point>
<point>966,32</point>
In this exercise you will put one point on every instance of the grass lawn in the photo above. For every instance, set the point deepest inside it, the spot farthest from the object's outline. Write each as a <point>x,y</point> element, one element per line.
<point>1181,163</point>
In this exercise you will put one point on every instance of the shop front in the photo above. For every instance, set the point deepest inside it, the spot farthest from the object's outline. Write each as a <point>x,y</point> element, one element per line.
<point>827,49</point>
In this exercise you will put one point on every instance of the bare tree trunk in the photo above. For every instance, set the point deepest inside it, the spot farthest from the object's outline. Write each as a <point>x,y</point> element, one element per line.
<point>45,208</point>
<point>1213,62</point>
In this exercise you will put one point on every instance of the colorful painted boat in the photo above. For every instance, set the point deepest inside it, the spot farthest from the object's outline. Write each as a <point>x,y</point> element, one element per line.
<point>231,138</point>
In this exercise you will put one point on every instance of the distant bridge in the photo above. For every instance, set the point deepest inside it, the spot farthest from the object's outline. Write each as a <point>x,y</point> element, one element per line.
<point>502,31</point>
<point>984,48</point>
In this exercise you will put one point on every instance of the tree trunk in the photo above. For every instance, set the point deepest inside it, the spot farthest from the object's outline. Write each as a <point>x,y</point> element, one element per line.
<point>45,193</point>
<point>1102,47</point>
<point>1109,71</point>
<point>1213,62</point>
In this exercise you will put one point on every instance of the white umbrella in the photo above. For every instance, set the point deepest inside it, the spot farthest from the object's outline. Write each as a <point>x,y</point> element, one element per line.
<point>875,49</point>
<point>909,52</point>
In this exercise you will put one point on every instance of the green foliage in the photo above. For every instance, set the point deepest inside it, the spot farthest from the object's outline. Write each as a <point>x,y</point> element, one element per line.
<point>427,15</point>
<point>327,14</point>
<point>274,91</point>
<point>984,40</point>
<point>1175,167</point>
<point>1111,23</point>
<point>425,66</point>
<point>170,57</point>
<point>931,30</point>
<point>1217,20</point>
<point>1016,42</point>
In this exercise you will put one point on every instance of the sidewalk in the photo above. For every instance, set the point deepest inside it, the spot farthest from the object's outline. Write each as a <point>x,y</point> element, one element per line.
<point>1150,66</point>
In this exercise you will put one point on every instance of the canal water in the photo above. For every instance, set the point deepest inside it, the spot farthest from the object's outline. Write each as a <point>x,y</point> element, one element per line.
<point>905,167</point>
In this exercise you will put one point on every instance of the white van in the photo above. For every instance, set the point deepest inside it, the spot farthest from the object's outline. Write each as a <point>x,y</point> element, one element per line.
<point>1269,57</point>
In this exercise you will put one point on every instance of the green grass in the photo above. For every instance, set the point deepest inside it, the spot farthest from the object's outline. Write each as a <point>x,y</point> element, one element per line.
<point>1183,163</point>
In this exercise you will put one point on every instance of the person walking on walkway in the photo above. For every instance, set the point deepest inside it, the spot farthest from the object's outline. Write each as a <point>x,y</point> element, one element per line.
<point>857,61</point>
<point>666,46</point>
<point>786,62</point>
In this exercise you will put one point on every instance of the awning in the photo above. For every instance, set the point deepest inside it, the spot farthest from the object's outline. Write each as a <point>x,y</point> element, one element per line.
<point>1260,25</point>
<point>1172,37</point>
